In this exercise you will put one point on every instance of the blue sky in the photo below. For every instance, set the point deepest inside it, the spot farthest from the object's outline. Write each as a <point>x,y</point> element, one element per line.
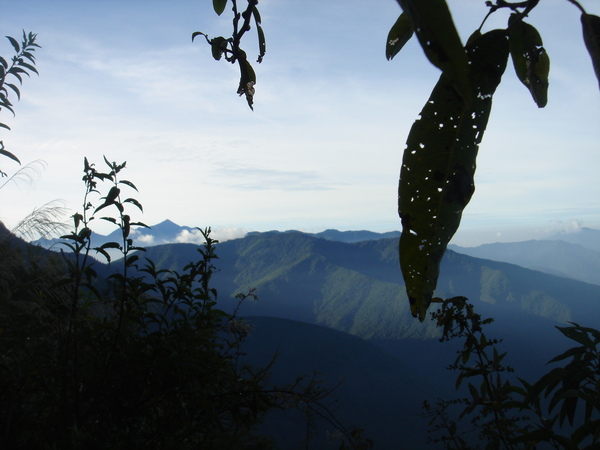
<point>322,148</point>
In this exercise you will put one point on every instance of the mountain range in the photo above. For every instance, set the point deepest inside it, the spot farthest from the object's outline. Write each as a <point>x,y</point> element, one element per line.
<point>580,261</point>
<point>335,303</point>
<point>313,292</point>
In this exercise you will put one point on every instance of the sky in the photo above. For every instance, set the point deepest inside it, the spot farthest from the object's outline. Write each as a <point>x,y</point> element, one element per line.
<point>322,148</point>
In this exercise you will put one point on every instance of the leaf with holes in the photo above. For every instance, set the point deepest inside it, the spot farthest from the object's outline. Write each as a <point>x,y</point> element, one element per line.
<point>432,22</point>
<point>591,37</point>
<point>436,179</point>
<point>530,59</point>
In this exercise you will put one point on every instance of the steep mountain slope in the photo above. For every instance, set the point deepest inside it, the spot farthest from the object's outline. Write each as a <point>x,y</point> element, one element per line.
<point>551,256</point>
<point>377,388</point>
<point>357,288</point>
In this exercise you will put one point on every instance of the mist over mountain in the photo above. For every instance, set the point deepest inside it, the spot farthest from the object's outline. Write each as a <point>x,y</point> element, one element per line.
<point>556,257</point>
<point>168,232</point>
<point>586,237</point>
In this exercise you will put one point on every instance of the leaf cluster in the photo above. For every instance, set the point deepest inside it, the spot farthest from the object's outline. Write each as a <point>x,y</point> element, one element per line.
<point>438,166</point>
<point>141,359</point>
<point>561,409</point>
<point>230,48</point>
<point>22,63</point>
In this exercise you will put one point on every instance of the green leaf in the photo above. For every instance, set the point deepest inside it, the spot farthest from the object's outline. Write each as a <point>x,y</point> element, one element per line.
<point>29,66</point>
<point>131,260</point>
<point>14,43</point>
<point>217,46</point>
<point>436,180</point>
<point>9,154</point>
<point>110,199</point>
<point>432,22</point>
<point>15,89</point>
<point>128,183</point>
<point>140,224</point>
<point>399,35</point>
<point>591,37</point>
<point>530,59</point>
<point>195,34</point>
<point>247,81</point>
<point>109,245</point>
<point>577,335</point>
<point>135,202</point>
<point>104,253</point>
<point>219,6</point>
<point>262,43</point>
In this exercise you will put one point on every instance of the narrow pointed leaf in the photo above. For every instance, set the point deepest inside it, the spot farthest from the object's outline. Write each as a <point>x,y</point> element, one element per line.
<point>140,224</point>
<point>399,35</point>
<point>9,154</point>
<point>436,180</point>
<point>104,253</point>
<point>262,43</point>
<point>131,260</point>
<point>15,89</point>
<point>195,34</point>
<point>432,22</point>
<point>578,336</point>
<point>128,183</point>
<point>530,59</point>
<point>29,66</point>
<point>135,202</point>
<point>591,37</point>
<point>14,43</point>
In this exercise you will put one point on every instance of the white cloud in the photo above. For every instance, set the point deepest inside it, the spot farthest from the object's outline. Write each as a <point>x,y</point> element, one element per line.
<point>144,239</point>
<point>221,234</point>
<point>567,226</point>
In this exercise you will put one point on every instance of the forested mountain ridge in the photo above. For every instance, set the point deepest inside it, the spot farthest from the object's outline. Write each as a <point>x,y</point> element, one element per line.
<point>357,287</point>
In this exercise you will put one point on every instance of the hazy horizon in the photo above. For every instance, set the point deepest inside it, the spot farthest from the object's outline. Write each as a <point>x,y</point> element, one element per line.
<point>322,148</point>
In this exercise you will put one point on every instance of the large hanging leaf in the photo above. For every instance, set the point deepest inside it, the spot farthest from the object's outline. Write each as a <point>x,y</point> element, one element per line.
<point>530,59</point>
<point>436,179</point>
<point>432,22</point>
<point>399,35</point>
<point>591,37</point>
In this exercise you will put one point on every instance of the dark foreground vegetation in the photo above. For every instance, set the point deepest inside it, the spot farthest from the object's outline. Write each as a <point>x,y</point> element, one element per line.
<point>144,355</point>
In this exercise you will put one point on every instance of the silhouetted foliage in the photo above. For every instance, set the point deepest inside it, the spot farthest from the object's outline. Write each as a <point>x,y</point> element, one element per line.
<point>132,361</point>
<point>22,63</point>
